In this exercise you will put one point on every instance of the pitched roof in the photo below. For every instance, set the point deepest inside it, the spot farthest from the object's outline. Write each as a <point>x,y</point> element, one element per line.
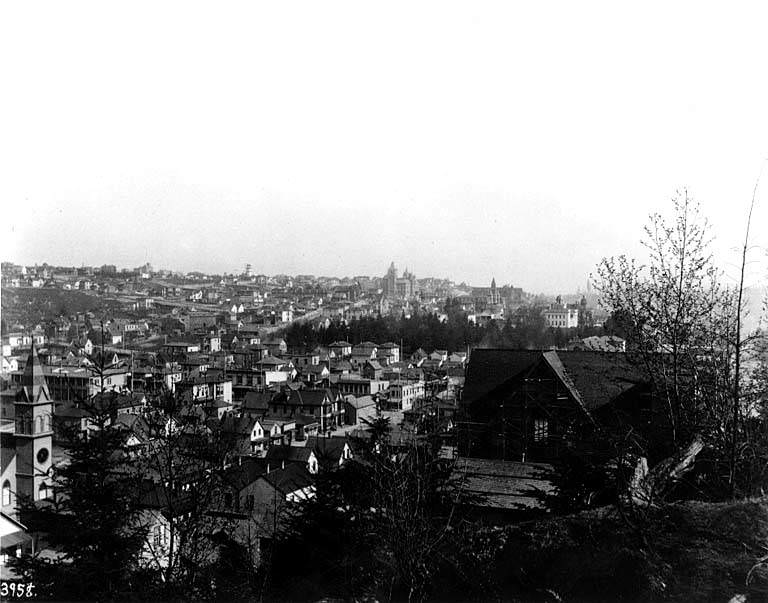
<point>34,387</point>
<point>281,452</point>
<point>290,479</point>
<point>593,379</point>
<point>246,472</point>
<point>600,377</point>
<point>605,343</point>
<point>331,448</point>
<point>271,361</point>
<point>309,397</point>
<point>340,344</point>
<point>257,401</point>
<point>111,400</point>
<point>232,424</point>
<point>341,365</point>
<point>359,401</point>
<point>489,368</point>
<point>135,424</point>
<point>314,368</point>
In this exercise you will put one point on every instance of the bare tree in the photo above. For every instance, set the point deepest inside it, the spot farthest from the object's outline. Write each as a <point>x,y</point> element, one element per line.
<point>684,328</point>
<point>181,470</point>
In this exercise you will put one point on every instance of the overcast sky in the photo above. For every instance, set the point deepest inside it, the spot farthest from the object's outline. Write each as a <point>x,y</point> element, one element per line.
<point>469,140</point>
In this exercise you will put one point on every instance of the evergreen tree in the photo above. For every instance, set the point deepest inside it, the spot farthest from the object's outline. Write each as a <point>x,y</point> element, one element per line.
<point>93,521</point>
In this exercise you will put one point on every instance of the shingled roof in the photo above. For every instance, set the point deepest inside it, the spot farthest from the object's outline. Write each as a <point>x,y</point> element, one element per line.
<point>506,485</point>
<point>310,397</point>
<point>257,401</point>
<point>288,453</point>
<point>290,479</point>
<point>330,449</point>
<point>601,377</point>
<point>246,472</point>
<point>489,368</point>
<point>237,425</point>
<point>593,379</point>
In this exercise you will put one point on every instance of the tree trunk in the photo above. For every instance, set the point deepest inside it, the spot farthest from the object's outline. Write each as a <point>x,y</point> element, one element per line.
<point>646,487</point>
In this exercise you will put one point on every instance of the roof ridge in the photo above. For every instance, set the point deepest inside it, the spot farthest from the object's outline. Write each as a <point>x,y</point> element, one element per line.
<point>557,365</point>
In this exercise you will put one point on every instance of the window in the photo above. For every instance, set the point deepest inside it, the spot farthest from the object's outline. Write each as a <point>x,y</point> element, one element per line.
<point>6,493</point>
<point>42,492</point>
<point>540,430</point>
<point>228,500</point>
<point>157,536</point>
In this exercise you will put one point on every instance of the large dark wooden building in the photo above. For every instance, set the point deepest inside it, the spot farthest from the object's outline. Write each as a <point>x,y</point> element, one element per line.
<point>527,405</point>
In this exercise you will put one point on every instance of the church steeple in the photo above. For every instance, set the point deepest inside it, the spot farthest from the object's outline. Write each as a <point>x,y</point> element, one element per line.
<point>33,431</point>
<point>34,388</point>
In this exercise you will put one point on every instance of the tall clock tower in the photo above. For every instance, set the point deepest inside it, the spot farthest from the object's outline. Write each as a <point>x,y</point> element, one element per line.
<point>34,431</point>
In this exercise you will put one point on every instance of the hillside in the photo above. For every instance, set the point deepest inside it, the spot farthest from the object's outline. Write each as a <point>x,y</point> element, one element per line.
<point>684,552</point>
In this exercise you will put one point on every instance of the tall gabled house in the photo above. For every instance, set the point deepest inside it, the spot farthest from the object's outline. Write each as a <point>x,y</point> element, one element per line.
<point>529,405</point>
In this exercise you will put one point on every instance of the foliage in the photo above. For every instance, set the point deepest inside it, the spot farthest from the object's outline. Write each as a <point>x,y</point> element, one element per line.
<point>99,520</point>
<point>687,552</point>
<point>524,329</point>
<point>183,467</point>
<point>681,326</point>
<point>92,521</point>
<point>31,306</point>
<point>382,526</point>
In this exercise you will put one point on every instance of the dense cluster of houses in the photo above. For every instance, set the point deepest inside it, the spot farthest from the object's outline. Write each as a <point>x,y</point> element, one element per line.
<point>161,302</point>
<point>506,423</point>
<point>283,414</point>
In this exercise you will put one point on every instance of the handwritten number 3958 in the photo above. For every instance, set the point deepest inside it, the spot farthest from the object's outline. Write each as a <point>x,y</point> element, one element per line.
<point>17,589</point>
